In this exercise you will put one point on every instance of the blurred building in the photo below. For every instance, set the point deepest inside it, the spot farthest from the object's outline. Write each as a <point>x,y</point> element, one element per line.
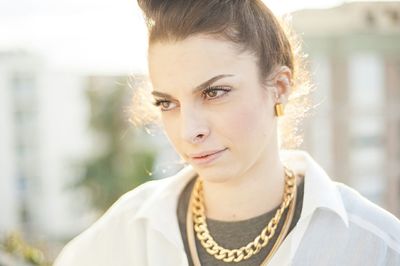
<point>45,137</point>
<point>354,52</point>
<point>43,133</point>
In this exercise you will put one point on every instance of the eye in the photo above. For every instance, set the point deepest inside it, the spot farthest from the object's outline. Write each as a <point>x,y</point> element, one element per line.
<point>215,92</point>
<point>165,105</point>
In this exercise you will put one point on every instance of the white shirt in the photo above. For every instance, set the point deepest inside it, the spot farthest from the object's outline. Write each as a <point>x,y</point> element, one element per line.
<point>337,226</point>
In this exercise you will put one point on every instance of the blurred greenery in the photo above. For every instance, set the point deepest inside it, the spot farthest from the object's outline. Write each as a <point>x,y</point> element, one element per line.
<point>124,159</point>
<point>14,245</point>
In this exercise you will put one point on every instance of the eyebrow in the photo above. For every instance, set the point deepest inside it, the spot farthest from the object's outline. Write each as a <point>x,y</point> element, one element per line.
<point>196,89</point>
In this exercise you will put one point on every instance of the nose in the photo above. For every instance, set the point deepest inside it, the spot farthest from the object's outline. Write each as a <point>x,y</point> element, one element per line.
<point>194,126</point>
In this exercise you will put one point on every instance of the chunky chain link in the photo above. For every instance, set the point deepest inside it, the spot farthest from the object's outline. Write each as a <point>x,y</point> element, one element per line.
<point>252,248</point>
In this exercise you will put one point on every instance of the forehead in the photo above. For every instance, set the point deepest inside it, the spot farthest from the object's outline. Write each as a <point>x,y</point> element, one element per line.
<point>193,60</point>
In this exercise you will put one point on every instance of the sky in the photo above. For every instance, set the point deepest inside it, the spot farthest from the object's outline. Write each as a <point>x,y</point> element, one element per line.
<point>92,36</point>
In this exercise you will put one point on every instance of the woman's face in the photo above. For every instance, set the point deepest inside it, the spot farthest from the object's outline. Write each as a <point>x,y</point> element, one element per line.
<point>211,100</point>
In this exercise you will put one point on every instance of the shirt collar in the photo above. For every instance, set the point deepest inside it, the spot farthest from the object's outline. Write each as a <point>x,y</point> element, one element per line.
<point>161,207</point>
<point>319,192</point>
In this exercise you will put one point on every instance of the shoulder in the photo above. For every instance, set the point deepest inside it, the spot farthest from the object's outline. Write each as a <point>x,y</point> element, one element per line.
<point>112,226</point>
<point>369,217</point>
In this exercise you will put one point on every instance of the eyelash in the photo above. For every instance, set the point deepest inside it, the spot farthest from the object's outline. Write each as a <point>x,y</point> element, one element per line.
<point>203,93</point>
<point>215,89</point>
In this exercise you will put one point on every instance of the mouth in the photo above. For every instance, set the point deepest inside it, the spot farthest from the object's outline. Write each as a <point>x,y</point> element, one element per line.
<point>207,158</point>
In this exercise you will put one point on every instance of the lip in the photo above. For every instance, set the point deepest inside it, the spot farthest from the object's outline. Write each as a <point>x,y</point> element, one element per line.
<point>206,157</point>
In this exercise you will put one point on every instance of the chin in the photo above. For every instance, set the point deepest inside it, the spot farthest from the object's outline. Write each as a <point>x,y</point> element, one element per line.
<point>214,175</point>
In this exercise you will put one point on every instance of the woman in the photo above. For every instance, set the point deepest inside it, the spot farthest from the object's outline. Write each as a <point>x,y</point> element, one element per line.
<point>225,76</point>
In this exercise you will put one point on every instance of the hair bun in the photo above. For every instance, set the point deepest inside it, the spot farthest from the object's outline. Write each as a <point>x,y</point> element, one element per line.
<point>150,4</point>
<point>150,7</point>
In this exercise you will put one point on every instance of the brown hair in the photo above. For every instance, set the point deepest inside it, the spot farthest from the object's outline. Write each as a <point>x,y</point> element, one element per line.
<point>251,26</point>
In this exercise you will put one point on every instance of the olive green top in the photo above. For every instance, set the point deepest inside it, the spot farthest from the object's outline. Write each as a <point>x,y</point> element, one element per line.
<point>235,234</point>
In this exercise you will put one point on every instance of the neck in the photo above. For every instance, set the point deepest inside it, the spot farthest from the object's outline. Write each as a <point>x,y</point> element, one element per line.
<point>258,190</point>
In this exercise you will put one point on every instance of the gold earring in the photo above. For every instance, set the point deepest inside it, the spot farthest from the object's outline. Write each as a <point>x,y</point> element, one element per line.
<point>279,109</point>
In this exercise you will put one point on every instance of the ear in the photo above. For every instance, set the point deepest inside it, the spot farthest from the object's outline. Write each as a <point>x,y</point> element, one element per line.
<point>281,81</point>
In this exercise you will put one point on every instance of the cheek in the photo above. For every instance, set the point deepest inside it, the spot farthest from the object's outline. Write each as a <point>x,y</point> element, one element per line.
<point>171,130</point>
<point>245,123</point>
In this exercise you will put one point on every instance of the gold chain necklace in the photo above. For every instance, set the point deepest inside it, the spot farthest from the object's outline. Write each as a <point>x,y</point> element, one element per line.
<point>252,248</point>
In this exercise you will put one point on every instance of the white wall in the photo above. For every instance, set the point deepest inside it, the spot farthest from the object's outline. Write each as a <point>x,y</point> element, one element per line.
<point>64,141</point>
<point>40,147</point>
<point>367,129</point>
<point>8,192</point>
<point>322,129</point>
